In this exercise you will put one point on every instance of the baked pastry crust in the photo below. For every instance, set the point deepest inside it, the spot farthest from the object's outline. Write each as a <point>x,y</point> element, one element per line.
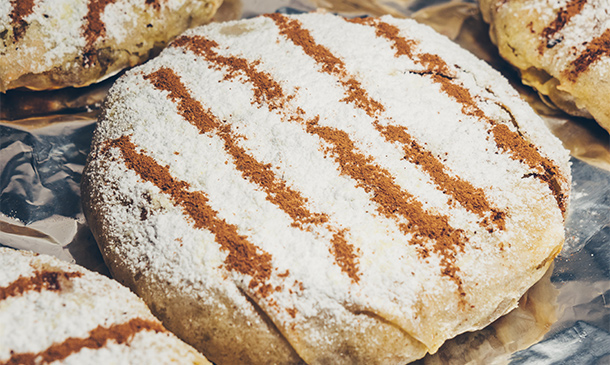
<point>561,48</point>
<point>312,189</point>
<point>49,44</point>
<point>55,312</point>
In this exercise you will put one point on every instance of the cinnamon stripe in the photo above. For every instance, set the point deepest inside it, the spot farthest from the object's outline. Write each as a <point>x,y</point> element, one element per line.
<point>21,9</point>
<point>190,109</point>
<point>404,47</point>
<point>471,198</point>
<point>512,142</point>
<point>572,8</point>
<point>345,255</point>
<point>98,338</point>
<point>527,153</point>
<point>243,255</point>
<point>94,27</point>
<point>599,47</point>
<point>356,94</point>
<point>42,280</point>
<point>278,193</point>
<point>392,201</point>
<point>265,88</point>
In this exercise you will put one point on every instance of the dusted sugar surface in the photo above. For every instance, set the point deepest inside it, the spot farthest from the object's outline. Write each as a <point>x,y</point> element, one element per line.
<point>328,187</point>
<point>59,43</point>
<point>54,312</point>
<point>562,49</point>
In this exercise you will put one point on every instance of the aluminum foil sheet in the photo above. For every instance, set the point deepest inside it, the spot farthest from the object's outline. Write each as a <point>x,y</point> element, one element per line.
<point>564,319</point>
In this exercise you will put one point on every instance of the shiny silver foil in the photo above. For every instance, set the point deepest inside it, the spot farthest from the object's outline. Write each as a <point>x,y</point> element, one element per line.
<point>564,319</point>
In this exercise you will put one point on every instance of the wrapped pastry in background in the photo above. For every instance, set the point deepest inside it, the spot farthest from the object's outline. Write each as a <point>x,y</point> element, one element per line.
<point>54,44</point>
<point>561,48</point>
<point>55,312</point>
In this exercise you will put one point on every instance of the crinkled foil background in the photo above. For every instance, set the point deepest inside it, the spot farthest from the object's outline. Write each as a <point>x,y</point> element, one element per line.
<point>564,319</point>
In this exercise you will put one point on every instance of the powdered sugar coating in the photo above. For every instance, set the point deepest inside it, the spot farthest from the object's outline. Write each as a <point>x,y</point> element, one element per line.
<point>561,47</point>
<point>399,270</point>
<point>62,37</point>
<point>5,9</point>
<point>62,24</point>
<point>36,318</point>
<point>589,23</point>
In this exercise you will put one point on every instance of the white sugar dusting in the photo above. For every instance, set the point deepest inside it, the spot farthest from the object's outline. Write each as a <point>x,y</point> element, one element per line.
<point>34,320</point>
<point>580,30</point>
<point>58,37</point>
<point>393,277</point>
<point>570,35</point>
<point>5,12</point>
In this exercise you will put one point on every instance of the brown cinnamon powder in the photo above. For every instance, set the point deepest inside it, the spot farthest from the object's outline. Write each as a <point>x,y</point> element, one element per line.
<point>404,47</point>
<point>94,27</point>
<point>243,255</point>
<point>467,195</point>
<point>166,79</point>
<point>506,139</point>
<point>527,153</point>
<point>292,311</point>
<point>278,192</point>
<point>292,30</point>
<point>20,10</point>
<point>357,95</point>
<point>345,255</point>
<point>98,338</point>
<point>599,47</point>
<point>564,15</point>
<point>42,280</point>
<point>461,95</point>
<point>266,90</point>
<point>392,201</point>
<point>290,201</point>
<point>384,30</point>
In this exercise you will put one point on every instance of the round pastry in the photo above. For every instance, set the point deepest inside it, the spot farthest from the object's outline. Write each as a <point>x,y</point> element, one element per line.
<point>310,188</point>
<point>60,313</point>
<point>561,48</point>
<point>48,44</point>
